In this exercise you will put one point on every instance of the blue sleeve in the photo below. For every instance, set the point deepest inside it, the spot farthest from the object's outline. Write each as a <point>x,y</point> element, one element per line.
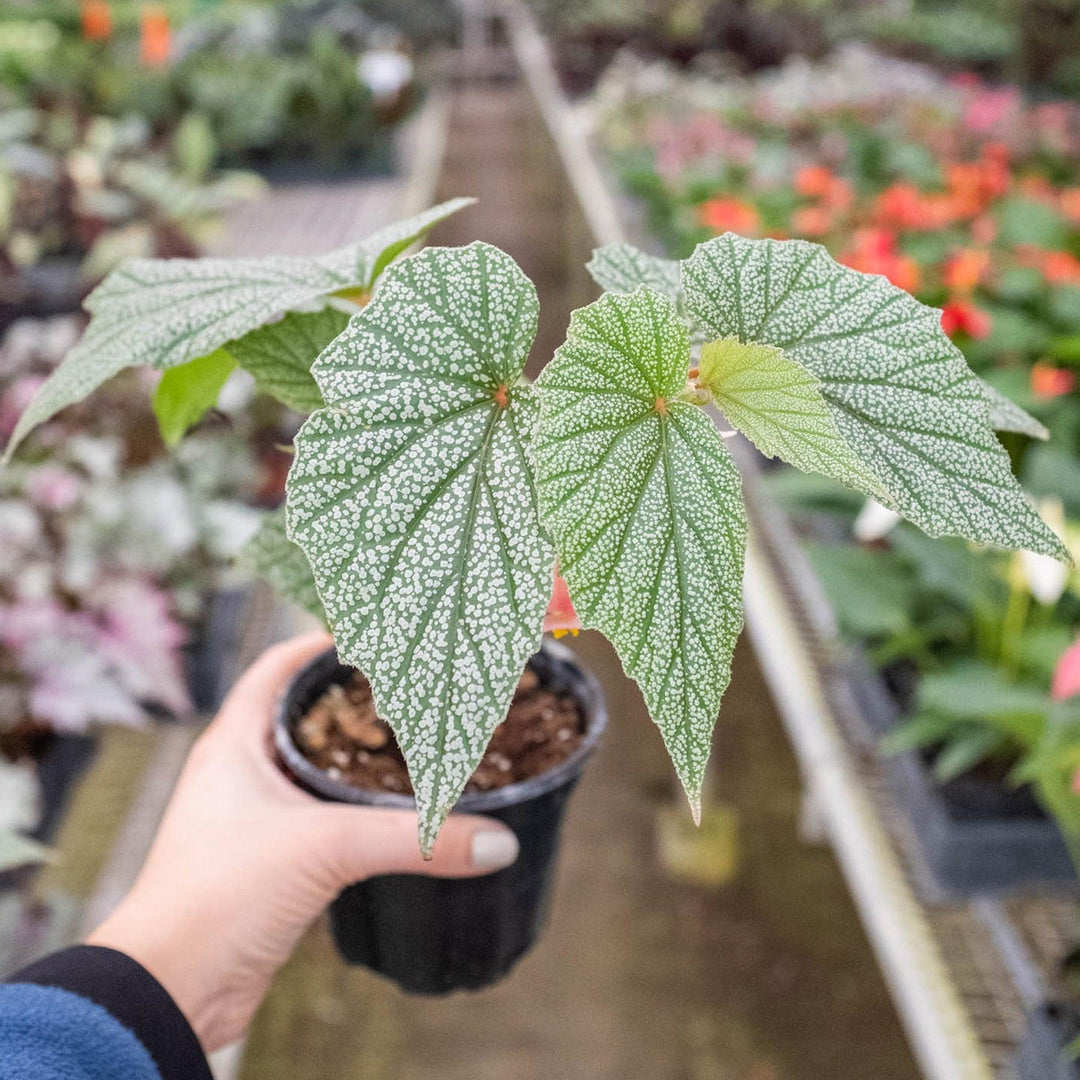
<point>92,1013</point>
<point>51,1034</point>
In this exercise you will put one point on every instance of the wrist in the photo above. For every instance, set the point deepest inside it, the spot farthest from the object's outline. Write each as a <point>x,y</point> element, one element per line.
<point>170,955</point>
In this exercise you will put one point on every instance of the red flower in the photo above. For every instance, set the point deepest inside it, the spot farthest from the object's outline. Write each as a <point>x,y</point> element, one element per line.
<point>1048,381</point>
<point>960,317</point>
<point>729,215</point>
<point>155,37</point>
<point>901,205</point>
<point>873,251</point>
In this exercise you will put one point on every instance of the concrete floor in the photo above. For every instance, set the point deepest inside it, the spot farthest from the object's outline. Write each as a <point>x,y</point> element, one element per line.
<point>763,975</point>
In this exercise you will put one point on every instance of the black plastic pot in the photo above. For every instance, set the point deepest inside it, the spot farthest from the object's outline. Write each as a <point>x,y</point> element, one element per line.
<point>1043,1052</point>
<point>975,836</point>
<point>433,935</point>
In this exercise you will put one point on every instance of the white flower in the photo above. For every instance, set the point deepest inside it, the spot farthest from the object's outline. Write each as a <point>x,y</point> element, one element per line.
<point>385,72</point>
<point>874,522</point>
<point>237,393</point>
<point>1045,577</point>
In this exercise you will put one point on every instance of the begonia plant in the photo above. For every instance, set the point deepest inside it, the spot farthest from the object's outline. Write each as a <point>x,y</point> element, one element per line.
<point>434,489</point>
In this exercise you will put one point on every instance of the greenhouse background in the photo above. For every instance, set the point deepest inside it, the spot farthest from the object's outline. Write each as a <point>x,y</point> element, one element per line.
<point>885,877</point>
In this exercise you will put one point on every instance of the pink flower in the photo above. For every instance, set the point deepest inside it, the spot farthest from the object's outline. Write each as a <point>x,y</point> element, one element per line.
<point>989,108</point>
<point>1066,681</point>
<point>52,487</point>
<point>561,618</point>
<point>14,400</point>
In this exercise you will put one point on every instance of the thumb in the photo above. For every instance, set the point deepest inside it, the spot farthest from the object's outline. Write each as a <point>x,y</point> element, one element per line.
<point>360,842</point>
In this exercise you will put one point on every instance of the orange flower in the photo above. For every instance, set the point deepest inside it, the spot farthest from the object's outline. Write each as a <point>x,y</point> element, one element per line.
<point>155,36</point>
<point>729,215</point>
<point>96,19</point>
<point>813,181</point>
<point>811,221</point>
<point>816,182</point>
<point>1048,381</point>
<point>1059,267</point>
<point>965,269</point>
<point>960,317</point>
<point>840,195</point>
<point>1070,204</point>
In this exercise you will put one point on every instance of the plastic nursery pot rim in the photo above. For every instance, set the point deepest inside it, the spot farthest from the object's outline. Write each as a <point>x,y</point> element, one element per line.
<point>315,780</point>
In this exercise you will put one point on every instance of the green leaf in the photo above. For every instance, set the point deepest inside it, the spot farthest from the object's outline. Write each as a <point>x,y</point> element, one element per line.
<point>276,558</point>
<point>645,508</point>
<point>975,690</point>
<point>280,355</point>
<point>1051,471</point>
<point>900,392</point>
<point>964,751</point>
<point>413,499</point>
<point>1024,221</point>
<point>186,393</point>
<point>777,404</point>
<point>161,313</point>
<point>872,592</point>
<point>949,568</point>
<point>1006,415</point>
<point>622,268</point>
<point>918,731</point>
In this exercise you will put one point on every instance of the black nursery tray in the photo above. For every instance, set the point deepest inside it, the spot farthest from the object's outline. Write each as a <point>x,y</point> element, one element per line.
<point>1043,1051</point>
<point>975,836</point>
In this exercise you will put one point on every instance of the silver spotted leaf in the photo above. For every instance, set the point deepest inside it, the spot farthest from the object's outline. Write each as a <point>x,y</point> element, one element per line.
<point>645,507</point>
<point>280,354</point>
<point>778,405</point>
<point>160,313</point>
<point>622,268</point>
<point>1006,415</point>
<point>901,393</point>
<point>412,496</point>
<point>276,558</point>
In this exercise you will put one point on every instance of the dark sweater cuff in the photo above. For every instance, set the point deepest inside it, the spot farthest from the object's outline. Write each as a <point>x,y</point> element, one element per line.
<point>133,996</point>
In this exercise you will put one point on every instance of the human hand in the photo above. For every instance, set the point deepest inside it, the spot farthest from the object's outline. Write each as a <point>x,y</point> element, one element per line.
<point>244,860</point>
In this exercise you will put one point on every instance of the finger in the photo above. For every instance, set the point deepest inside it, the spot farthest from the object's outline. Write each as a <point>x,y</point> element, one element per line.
<point>360,842</point>
<point>252,701</point>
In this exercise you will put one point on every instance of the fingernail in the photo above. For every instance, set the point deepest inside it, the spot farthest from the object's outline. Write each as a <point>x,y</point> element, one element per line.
<point>492,849</point>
